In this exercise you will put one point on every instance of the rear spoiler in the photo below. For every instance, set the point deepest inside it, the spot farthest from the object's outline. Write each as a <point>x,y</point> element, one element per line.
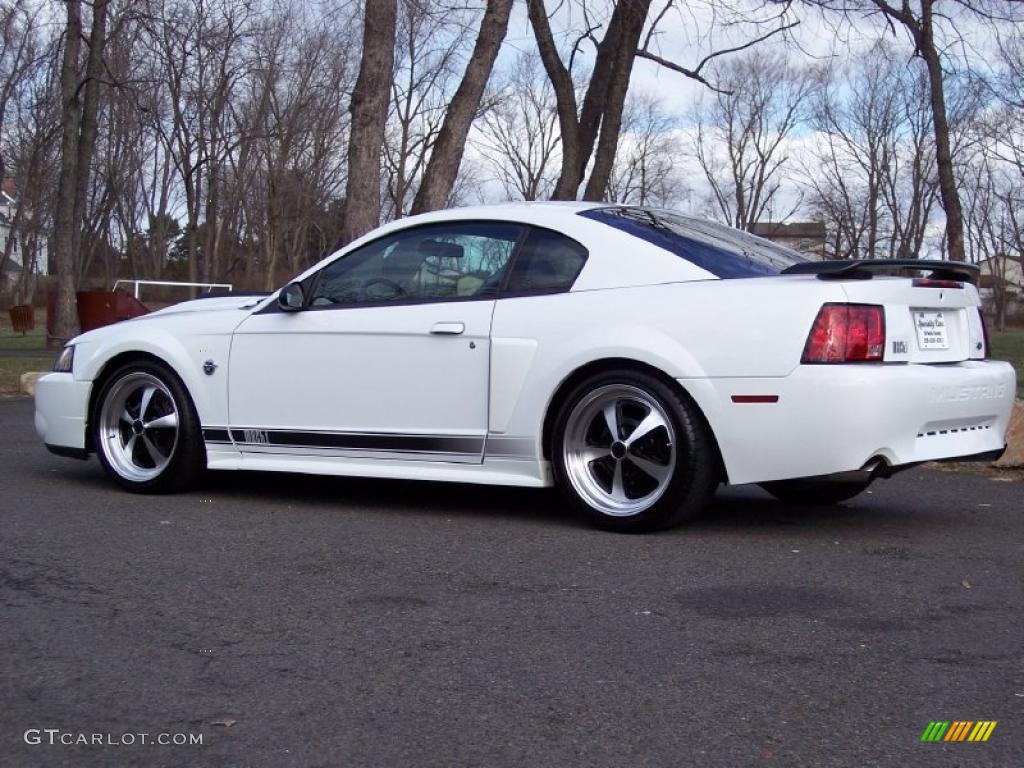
<point>862,269</point>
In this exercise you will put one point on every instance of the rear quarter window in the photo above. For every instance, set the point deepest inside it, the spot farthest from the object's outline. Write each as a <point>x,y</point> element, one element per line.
<point>723,251</point>
<point>547,262</point>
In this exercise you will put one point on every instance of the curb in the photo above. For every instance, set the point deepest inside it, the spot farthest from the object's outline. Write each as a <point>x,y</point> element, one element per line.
<point>28,382</point>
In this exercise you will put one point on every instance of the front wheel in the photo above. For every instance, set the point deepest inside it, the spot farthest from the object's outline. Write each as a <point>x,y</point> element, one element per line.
<point>146,431</point>
<point>632,454</point>
<point>815,493</point>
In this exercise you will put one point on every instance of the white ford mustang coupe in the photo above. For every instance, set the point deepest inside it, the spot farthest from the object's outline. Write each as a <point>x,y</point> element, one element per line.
<point>634,358</point>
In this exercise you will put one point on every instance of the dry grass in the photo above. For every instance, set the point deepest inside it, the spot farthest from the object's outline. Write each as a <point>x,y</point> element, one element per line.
<point>1009,345</point>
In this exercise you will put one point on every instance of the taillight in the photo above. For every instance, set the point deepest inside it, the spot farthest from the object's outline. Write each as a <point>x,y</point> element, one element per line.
<point>846,333</point>
<point>930,282</point>
<point>984,335</point>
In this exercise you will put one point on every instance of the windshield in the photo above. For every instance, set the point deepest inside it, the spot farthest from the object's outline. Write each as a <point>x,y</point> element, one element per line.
<point>723,251</point>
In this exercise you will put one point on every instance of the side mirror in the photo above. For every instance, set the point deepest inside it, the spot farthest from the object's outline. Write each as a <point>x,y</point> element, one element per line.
<point>292,298</point>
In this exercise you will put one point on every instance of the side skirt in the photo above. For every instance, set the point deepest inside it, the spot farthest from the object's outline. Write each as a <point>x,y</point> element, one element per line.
<point>446,458</point>
<point>492,472</point>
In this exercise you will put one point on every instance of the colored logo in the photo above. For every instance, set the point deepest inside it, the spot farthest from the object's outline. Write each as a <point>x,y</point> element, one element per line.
<point>958,730</point>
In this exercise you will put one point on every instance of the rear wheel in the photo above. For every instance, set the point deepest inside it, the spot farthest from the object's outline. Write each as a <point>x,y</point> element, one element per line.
<point>631,454</point>
<point>146,431</point>
<point>814,493</point>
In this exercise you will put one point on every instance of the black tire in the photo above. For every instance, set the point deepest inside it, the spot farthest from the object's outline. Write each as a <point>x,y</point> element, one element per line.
<point>187,458</point>
<point>690,482</point>
<point>815,493</point>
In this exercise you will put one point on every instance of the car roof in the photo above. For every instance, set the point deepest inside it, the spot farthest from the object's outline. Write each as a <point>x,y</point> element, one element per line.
<point>530,212</point>
<point>543,213</point>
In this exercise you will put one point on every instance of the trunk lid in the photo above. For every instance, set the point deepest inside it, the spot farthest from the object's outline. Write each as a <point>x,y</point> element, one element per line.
<point>923,324</point>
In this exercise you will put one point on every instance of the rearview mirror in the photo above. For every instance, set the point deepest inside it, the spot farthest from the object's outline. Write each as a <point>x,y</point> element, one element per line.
<point>292,298</point>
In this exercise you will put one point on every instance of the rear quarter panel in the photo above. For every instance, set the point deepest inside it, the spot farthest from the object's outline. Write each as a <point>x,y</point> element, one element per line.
<point>696,330</point>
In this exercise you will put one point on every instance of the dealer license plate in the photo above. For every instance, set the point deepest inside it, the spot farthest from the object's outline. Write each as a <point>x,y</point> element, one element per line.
<point>930,325</point>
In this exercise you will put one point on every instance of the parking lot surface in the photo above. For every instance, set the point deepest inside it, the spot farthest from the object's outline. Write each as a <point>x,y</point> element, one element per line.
<point>300,621</point>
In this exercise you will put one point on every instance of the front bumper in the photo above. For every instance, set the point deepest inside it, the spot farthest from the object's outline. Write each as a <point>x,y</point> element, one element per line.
<point>62,404</point>
<point>834,419</point>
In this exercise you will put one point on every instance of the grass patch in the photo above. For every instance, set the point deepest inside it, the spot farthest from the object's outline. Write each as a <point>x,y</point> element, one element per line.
<point>1009,345</point>
<point>32,340</point>
<point>11,369</point>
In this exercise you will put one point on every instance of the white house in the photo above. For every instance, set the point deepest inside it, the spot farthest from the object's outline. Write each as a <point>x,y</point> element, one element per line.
<point>8,207</point>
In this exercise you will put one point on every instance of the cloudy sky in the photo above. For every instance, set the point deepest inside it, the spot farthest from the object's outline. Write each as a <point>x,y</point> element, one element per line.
<point>694,28</point>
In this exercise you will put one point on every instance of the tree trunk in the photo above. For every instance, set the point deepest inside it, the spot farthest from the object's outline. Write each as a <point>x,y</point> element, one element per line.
<point>627,37</point>
<point>193,191</point>
<point>369,111</point>
<point>446,157</point>
<point>90,109</point>
<point>65,319</point>
<point>602,106</point>
<point>565,99</point>
<point>943,153</point>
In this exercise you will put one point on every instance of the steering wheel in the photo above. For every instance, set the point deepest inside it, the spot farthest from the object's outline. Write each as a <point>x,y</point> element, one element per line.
<point>397,290</point>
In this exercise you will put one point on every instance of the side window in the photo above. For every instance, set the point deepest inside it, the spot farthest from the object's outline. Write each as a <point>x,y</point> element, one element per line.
<point>547,262</point>
<point>439,261</point>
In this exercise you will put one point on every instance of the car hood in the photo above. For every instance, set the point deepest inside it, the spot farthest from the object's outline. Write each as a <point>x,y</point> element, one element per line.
<point>220,314</point>
<point>212,304</point>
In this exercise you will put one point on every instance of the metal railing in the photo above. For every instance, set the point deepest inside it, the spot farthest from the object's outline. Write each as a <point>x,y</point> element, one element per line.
<point>138,283</point>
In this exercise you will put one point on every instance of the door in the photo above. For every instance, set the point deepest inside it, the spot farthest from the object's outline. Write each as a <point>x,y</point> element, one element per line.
<point>389,358</point>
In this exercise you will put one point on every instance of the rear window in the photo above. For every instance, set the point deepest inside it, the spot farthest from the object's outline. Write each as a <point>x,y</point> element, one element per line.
<point>723,251</point>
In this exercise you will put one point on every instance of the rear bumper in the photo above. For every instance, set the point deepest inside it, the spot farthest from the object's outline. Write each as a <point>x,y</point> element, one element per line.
<point>61,407</point>
<point>835,419</point>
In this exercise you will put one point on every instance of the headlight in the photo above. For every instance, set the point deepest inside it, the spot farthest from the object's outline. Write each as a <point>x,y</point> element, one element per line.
<point>66,360</point>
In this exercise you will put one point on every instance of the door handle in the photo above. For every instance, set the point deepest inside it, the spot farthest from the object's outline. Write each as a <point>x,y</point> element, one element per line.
<point>448,329</point>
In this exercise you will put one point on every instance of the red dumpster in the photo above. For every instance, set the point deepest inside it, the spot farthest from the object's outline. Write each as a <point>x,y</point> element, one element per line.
<point>99,308</point>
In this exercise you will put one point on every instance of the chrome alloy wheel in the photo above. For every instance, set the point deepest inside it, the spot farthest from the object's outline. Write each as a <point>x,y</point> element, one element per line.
<point>138,427</point>
<point>619,449</point>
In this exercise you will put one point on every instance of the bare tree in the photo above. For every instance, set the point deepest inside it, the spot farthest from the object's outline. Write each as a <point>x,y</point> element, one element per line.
<point>20,54</point>
<point>518,133</point>
<point>288,164</point>
<point>1004,129</point>
<point>873,176</point>
<point>369,110</point>
<point>29,143</point>
<point>741,131</point>
<point>600,113</point>
<point>647,165</point>
<point>446,155</point>
<point>995,226</point>
<point>992,173</point>
<point>80,102</point>
<point>429,39</point>
<point>859,114</point>
<point>930,24</point>
<point>197,49</point>
<point>590,129</point>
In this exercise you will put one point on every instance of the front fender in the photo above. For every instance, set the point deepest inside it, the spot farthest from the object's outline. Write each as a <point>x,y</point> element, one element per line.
<point>185,354</point>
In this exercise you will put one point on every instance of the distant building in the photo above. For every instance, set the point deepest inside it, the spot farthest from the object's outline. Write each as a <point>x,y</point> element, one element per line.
<point>807,237</point>
<point>8,206</point>
<point>1005,267</point>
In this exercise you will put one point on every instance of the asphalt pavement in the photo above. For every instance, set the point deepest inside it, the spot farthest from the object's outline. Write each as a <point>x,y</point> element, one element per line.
<point>299,621</point>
